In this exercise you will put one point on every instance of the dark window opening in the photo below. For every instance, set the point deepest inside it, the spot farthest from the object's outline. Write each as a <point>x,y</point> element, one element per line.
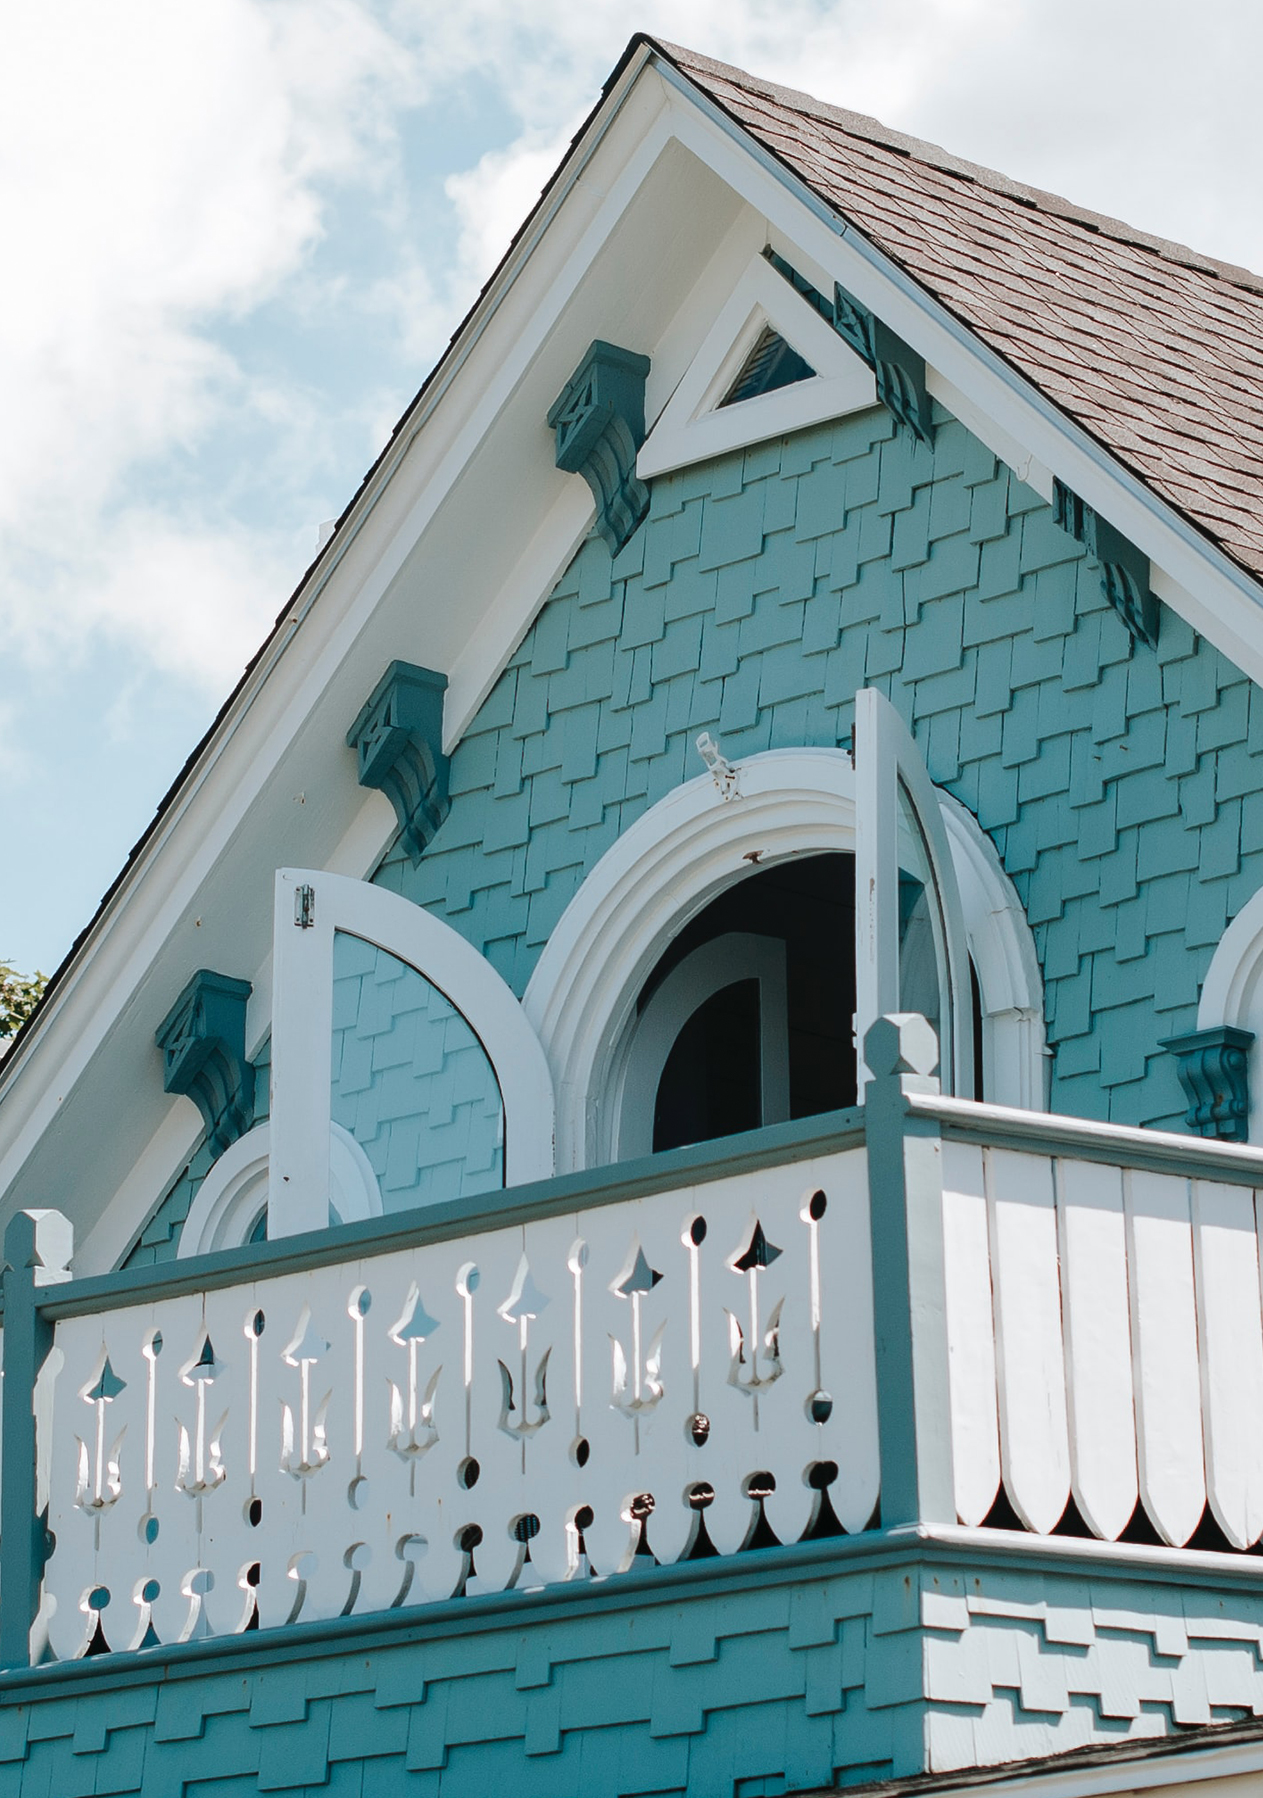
<point>710,1086</point>
<point>772,363</point>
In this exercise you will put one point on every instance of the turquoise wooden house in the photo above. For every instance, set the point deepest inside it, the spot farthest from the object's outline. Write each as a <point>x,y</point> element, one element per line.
<point>645,1187</point>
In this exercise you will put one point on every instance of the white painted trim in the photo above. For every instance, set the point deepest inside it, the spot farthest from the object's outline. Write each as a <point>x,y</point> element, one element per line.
<point>235,1190</point>
<point>302,1033</point>
<point>737,955</point>
<point>890,770</point>
<point>670,863</point>
<point>1015,1054</point>
<point>1232,993</point>
<point>691,428</point>
<point>1234,968</point>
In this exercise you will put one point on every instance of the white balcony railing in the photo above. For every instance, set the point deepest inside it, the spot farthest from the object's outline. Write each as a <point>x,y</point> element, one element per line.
<point>668,1359</point>
<point>481,1411</point>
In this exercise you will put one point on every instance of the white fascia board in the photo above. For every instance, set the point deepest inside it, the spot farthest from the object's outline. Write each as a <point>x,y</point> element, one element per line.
<point>1199,1770</point>
<point>198,826</point>
<point>1220,600</point>
<point>141,1193</point>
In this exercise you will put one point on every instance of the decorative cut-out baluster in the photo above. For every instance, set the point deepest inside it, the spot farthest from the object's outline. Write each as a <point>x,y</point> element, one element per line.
<point>525,1302</point>
<point>305,1448</point>
<point>100,1481</point>
<point>744,1369</point>
<point>412,1427</point>
<point>637,1384</point>
<point>200,1464</point>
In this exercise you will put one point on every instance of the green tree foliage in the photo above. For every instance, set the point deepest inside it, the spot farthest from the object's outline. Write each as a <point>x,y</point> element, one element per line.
<point>19,995</point>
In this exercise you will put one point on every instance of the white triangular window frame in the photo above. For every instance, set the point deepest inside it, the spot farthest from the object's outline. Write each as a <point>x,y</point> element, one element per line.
<point>694,424</point>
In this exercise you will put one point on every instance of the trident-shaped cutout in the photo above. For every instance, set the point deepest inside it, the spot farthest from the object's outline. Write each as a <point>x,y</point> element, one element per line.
<point>412,1429</point>
<point>305,1440</point>
<point>525,1302</point>
<point>637,1385</point>
<point>201,1466</point>
<point>100,1479</point>
<point>744,1369</point>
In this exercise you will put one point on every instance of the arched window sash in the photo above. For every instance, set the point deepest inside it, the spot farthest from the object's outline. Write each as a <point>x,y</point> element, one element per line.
<point>309,908</point>
<point>899,825</point>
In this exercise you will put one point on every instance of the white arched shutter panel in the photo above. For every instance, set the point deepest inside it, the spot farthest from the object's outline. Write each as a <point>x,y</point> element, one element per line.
<point>310,908</point>
<point>891,781</point>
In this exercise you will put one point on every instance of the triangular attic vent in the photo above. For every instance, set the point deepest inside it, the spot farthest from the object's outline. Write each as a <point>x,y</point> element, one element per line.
<point>771,364</point>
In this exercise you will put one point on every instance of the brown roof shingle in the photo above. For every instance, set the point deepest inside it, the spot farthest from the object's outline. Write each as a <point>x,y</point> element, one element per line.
<point>1153,349</point>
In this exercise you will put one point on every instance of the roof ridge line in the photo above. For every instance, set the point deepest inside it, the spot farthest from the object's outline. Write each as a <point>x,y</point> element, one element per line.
<point>857,124</point>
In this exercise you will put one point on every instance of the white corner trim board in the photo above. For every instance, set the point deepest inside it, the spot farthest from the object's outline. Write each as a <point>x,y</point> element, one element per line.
<point>310,907</point>
<point>691,428</point>
<point>235,1191</point>
<point>666,867</point>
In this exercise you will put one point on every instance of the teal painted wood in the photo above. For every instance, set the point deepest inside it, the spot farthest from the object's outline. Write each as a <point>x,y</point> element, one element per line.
<point>885,1657</point>
<point>158,1241</point>
<point>1120,784</point>
<point>411,1081</point>
<point>28,1337</point>
<point>203,1043</point>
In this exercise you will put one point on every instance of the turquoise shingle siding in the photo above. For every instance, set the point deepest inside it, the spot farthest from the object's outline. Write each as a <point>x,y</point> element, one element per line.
<point>1123,789</point>
<point>871,1663</point>
<point>411,1081</point>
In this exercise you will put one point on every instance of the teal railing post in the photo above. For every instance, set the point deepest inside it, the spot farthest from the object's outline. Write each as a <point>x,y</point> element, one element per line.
<point>37,1247</point>
<point>905,1186</point>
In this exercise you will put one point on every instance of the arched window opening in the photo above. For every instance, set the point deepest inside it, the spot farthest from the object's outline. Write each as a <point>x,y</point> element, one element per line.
<point>769,968</point>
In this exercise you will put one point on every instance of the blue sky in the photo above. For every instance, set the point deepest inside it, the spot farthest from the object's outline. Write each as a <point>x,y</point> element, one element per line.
<point>239,234</point>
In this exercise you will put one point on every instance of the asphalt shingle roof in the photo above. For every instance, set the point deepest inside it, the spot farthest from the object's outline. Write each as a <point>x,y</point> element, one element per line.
<point>1153,349</point>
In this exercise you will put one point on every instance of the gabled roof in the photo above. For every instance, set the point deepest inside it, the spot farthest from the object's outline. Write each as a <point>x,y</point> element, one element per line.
<point>1156,351</point>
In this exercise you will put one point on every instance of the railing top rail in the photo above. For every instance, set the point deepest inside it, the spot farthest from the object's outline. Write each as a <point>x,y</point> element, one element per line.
<point>699,1164</point>
<point>1121,1145</point>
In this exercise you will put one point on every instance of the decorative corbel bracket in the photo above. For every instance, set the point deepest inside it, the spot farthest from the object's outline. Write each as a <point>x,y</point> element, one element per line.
<point>598,422</point>
<point>398,740</point>
<point>203,1043</point>
<point>1124,568</point>
<point>1213,1066</point>
<point>897,369</point>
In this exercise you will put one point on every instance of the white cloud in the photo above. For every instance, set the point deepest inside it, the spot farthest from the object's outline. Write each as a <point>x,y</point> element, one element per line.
<point>161,170</point>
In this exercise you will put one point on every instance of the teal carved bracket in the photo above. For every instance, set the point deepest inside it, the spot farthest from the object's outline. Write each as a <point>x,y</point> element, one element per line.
<point>398,740</point>
<point>897,369</point>
<point>203,1043</point>
<point>1213,1066</point>
<point>598,422</point>
<point>1124,568</point>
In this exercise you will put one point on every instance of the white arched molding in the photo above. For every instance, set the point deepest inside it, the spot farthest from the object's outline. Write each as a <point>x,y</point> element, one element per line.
<point>235,1191</point>
<point>737,955</point>
<point>672,861</point>
<point>1232,992</point>
<point>1015,1059</point>
<point>310,907</point>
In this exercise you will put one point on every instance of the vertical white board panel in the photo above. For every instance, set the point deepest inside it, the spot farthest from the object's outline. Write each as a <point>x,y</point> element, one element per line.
<point>1034,1439</point>
<point>1164,1352</point>
<point>1230,1331</point>
<point>1097,1324</point>
<point>970,1333</point>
